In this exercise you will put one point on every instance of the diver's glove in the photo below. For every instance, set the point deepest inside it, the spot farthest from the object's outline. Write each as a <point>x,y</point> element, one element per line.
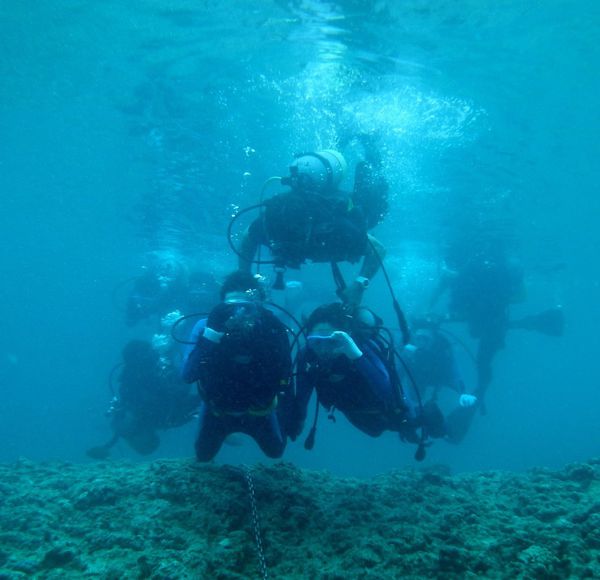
<point>345,345</point>
<point>219,315</point>
<point>467,400</point>
<point>217,320</point>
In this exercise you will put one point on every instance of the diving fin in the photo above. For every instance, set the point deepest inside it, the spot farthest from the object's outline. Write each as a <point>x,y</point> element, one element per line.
<point>550,322</point>
<point>458,423</point>
<point>100,452</point>
<point>103,451</point>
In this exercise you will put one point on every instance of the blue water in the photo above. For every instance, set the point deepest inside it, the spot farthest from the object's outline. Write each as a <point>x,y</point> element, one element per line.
<point>128,127</point>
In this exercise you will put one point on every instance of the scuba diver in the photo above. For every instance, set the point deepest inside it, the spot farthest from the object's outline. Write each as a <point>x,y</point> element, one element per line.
<point>431,360</point>
<point>165,284</point>
<point>240,356</point>
<point>315,220</point>
<point>151,397</point>
<point>482,283</point>
<point>353,369</point>
<point>159,287</point>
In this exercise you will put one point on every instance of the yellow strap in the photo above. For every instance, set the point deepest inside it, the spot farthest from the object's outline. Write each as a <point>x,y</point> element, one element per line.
<point>253,411</point>
<point>262,412</point>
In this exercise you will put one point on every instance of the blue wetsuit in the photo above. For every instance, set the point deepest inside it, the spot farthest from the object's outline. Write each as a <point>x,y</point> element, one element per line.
<point>238,407</point>
<point>361,389</point>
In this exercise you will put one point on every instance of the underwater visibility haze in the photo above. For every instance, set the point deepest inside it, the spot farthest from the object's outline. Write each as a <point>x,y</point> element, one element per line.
<point>144,126</point>
<point>132,133</point>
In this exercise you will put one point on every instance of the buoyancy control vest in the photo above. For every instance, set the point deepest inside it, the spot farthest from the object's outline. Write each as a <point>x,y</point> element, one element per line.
<point>301,225</point>
<point>250,366</point>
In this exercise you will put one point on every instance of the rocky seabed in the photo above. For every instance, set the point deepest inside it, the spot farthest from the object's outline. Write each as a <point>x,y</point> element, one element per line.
<point>175,519</point>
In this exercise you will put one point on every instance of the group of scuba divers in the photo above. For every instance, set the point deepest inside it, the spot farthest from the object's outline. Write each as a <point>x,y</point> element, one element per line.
<point>257,363</point>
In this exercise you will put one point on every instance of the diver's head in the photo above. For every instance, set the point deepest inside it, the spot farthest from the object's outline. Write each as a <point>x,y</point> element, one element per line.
<point>360,321</point>
<point>423,338</point>
<point>330,315</point>
<point>365,322</point>
<point>139,353</point>
<point>321,172</point>
<point>242,286</point>
<point>166,267</point>
<point>321,324</point>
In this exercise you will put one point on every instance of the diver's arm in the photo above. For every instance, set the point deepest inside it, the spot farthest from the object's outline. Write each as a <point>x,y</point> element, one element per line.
<point>455,380</point>
<point>374,255</point>
<point>193,354</point>
<point>441,288</point>
<point>447,277</point>
<point>367,360</point>
<point>375,373</point>
<point>247,248</point>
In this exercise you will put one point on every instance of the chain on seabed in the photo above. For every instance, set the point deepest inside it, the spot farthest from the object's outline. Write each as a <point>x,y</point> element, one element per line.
<point>255,523</point>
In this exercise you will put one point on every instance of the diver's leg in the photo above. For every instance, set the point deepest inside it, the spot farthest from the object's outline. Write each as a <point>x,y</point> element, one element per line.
<point>374,254</point>
<point>211,434</point>
<point>433,419</point>
<point>251,239</point>
<point>490,344</point>
<point>267,432</point>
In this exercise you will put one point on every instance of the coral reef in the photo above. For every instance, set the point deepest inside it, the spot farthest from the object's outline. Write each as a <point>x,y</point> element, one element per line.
<point>178,519</point>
